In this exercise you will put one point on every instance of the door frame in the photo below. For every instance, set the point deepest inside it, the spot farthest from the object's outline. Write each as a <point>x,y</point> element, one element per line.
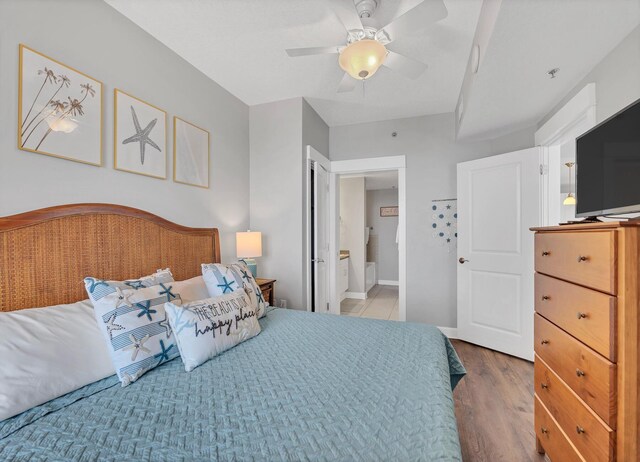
<point>313,157</point>
<point>371,164</point>
<point>558,129</point>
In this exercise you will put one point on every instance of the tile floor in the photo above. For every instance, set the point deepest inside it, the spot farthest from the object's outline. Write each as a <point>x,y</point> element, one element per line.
<point>381,303</point>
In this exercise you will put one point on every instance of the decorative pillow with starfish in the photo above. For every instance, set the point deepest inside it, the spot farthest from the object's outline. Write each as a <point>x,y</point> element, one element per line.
<point>223,279</point>
<point>207,328</point>
<point>132,318</point>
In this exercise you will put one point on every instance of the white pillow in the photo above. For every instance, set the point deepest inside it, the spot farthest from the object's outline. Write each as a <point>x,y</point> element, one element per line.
<point>206,328</point>
<point>223,279</point>
<point>191,290</point>
<point>48,352</point>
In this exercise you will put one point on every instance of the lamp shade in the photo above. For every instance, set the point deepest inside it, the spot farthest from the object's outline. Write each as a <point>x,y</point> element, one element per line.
<point>569,200</point>
<point>249,244</point>
<point>363,58</point>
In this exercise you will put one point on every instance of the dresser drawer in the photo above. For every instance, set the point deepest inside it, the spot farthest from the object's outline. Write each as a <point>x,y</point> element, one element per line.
<point>553,440</point>
<point>590,376</point>
<point>586,314</point>
<point>586,258</point>
<point>586,431</point>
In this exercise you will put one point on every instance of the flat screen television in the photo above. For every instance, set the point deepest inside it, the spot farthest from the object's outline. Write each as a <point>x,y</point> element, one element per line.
<point>608,166</point>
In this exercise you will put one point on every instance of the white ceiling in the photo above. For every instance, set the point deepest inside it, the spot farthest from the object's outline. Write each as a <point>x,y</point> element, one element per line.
<point>512,89</point>
<point>240,44</point>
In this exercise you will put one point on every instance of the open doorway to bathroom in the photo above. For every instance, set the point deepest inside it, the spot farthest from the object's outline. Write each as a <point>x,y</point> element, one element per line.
<point>368,275</point>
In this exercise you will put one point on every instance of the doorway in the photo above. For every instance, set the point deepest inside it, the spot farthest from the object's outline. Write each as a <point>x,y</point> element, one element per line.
<point>368,276</point>
<point>322,227</point>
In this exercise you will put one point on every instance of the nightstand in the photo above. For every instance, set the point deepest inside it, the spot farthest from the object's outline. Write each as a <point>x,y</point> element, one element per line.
<point>268,291</point>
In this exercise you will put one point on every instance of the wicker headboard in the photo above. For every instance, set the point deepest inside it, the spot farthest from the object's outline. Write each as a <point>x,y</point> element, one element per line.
<point>46,253</point>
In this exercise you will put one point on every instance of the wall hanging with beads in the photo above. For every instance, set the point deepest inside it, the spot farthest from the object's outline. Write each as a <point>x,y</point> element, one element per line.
<point>444,222</point>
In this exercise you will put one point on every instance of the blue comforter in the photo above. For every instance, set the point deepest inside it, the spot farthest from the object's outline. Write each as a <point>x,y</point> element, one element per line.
<point>309,387</point>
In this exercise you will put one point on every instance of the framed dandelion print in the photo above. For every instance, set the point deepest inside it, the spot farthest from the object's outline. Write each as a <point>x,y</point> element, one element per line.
<point>59,109</point>
<point>140,136</point>
<point>190,154</point>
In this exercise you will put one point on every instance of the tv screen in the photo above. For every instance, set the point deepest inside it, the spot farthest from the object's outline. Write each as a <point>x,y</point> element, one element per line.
<point>608,166</point>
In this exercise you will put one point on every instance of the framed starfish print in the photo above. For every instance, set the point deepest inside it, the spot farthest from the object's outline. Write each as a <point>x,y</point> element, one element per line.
<point>59,109</point>
<point>190,154</point>
<point>140,136</point>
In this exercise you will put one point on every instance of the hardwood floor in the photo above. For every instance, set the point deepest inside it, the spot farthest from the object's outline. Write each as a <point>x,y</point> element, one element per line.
<point>494,407</point>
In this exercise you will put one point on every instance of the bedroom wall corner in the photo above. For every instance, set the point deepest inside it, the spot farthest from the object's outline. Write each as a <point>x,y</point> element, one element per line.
<point>94,38</point>
<point>276,168</point>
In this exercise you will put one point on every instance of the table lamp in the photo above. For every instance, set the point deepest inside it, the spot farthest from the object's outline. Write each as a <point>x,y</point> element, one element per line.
<point>248,246</point>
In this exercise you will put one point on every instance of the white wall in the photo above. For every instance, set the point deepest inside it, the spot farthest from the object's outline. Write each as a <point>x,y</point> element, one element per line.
<point>382,247</point>
<point>94,38</point>
<point>617,79</point>
<point>432,154</point>
<point>353,221</point>
<point>279,134</point>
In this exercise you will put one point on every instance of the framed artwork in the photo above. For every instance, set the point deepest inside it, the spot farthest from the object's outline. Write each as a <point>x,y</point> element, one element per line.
<point>389,211</point>
<point>59,109</point>
<point>139,136</point>
<point>190,154</point>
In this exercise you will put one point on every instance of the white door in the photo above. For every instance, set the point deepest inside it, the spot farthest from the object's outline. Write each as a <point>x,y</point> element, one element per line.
<point>321,242</point>
<point>498,201</point>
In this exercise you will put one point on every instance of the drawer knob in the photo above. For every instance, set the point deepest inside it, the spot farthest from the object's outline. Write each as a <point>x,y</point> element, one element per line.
<point>544,386</point>
<point>546,253</point>
<point>582,258</point>
<point>579,373</point>
<point>544,430</point>
<point>544,342</point>
<point>545,298</point>
<point>579,430</point>
<point>581,315</point>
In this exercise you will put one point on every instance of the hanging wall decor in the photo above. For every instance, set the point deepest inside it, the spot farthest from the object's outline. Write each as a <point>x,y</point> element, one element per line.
<point>190,154</point>
<point>391,211</point>
<point>444,222</point>
<point>140,136</point>
<point>59,109</point>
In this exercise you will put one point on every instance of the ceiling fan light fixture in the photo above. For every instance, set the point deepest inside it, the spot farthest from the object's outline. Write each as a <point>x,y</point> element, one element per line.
<point>363,58</point>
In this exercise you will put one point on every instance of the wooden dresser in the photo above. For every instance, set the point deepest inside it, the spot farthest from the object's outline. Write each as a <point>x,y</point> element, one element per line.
<point>587,292</point>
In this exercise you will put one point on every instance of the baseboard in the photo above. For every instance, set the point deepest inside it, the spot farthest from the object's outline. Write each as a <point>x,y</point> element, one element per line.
<point>343,295</point>
<point>384,282</point>
<point>356,295</point>
<point>451,332</point>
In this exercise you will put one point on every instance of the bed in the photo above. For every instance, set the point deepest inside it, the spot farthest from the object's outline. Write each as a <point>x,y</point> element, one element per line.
<point>309,387</point>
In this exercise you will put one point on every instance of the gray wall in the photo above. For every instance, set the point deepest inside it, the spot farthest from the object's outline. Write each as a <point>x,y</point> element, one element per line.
<point>382,247</point>
<point>352,222</point>
<point>279,134</point>
<point>94,38</point>
<point>617,79</point>
<point>431,154</point>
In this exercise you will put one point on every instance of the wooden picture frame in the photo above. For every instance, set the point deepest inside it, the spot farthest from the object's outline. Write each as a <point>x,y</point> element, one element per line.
<point>389,211</point>
<point>134,139</point>
<point>59,109</point>
<point>191,153</point>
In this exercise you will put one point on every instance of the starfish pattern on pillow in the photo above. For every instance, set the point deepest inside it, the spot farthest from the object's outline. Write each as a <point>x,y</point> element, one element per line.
<point>137,346</point>
<point>111,325</point>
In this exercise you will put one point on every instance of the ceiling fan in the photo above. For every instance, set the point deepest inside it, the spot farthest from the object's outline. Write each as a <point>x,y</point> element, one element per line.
<point>365,49</point>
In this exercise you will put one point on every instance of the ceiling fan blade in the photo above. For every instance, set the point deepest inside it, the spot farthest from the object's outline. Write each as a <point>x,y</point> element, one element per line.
<point>347,84</point>
<point>424,13</point>
<point>346,12</point>
<point>295,52</point>
<point>403,65</point>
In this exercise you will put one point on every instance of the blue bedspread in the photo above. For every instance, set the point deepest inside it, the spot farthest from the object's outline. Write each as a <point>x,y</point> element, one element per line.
<point>309,387</point>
